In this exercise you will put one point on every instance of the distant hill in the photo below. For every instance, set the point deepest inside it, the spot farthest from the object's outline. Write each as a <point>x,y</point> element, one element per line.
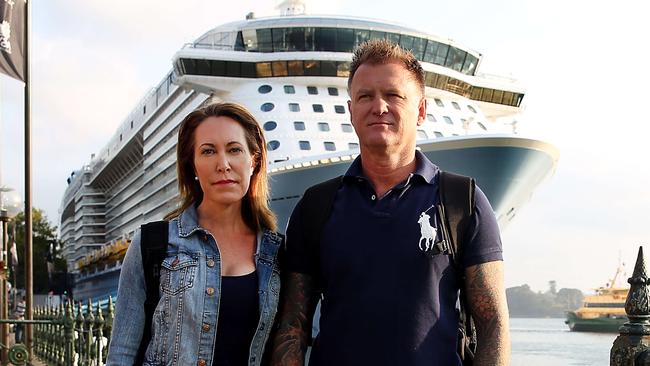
<point>525,303</point>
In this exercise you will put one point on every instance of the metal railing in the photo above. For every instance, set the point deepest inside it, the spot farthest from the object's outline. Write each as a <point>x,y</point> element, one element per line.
<point>76,335</point>
<point>68,334</point>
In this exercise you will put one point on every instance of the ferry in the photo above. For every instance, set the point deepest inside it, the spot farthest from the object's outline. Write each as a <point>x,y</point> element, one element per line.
<point>291,72</point>
<point>602,312</point>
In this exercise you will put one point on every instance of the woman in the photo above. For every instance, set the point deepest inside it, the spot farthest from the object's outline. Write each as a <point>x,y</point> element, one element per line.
<point>219,281</point>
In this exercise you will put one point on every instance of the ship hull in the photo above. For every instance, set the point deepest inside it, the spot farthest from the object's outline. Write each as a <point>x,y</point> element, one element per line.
<point>596,325</point>
<point>506,168</point>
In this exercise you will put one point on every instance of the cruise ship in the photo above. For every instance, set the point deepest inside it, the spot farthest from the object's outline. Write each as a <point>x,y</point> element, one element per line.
<point>291,71</point>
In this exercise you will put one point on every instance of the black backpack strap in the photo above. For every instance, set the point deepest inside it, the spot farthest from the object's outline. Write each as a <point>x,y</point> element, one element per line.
<point>154,237</point>
<point>316,209</point>
<point>457,199</point>
<point>457,206</point>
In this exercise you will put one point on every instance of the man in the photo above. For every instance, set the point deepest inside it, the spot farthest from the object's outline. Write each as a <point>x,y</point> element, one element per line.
<point>385,299</point>
<point>20,315</point>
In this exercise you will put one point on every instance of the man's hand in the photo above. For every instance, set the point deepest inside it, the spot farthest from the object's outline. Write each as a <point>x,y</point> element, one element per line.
<point>298,300</point>
<point>486,298</point>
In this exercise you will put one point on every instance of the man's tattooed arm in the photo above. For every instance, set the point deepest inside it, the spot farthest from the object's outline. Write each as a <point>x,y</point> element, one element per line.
<point>298,299</point>
<point>487,303</point>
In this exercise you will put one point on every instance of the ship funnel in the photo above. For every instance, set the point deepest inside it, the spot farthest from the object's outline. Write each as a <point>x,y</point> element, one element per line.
<point>292,7</point>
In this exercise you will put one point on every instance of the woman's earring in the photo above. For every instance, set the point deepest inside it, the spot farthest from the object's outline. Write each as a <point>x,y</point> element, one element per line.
<point>196,178</point>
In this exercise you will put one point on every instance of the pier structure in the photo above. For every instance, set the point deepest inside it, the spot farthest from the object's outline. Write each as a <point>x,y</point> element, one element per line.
<point>632,346</point>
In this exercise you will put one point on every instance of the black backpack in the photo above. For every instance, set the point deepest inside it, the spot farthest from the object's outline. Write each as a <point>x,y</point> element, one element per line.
<point>457,197</point>
<point>153,248</point>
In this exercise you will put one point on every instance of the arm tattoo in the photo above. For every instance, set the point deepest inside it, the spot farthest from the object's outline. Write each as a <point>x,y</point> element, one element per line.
<point>487,302</point>
<point>298,300</point>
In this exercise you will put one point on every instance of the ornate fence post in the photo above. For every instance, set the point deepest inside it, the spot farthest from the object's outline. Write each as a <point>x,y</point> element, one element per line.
<point>79,328</point>
<point>44,338</point>
<point>37,332</point>
<point>108,323</point>
<point>48,334</point>
<point>90,320</point>
<point>99,325</point>
<point>68,326</point>
<point>60,333</point>
<point>43,345</point>
<point>632,346</point>
<point>53,334</point>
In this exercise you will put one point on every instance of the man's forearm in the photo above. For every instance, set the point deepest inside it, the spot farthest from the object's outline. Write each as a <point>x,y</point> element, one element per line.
<point>487,301</point>
<point>298,300</point>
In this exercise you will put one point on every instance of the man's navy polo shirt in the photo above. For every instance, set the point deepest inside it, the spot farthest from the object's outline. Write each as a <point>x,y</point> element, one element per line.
<point>385,300</point>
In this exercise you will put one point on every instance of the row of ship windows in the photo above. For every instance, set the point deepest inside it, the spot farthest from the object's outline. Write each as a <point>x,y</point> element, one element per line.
<point>312,90</point>
<point>306,145</point>
<point>295,107</point>
<point>448,120</point>
<point>290,89</point>
<point>300,126</point>
<point>347,127</point>
<point>331,146</point>
<point>237,69</point>
<point>293,39</point>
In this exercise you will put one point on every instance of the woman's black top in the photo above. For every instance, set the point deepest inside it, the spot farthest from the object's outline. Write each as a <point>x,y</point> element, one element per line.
<point>239,316</point>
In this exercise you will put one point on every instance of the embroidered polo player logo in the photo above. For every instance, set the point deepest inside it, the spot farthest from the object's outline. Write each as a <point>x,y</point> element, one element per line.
<point>427,232</point>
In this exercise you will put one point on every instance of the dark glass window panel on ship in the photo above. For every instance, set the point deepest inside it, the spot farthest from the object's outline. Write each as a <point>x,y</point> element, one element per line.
<point>328,68</point>
<point>273,145</point>
<point>304,145</point>
<point>329,146</point>
<point>345,39</point>
<point>264,89</point>
<point>279,68</point>
<point>267,107</point>
<point>270,126</point>
<point>299,125</point>
<point>295,68</point>
<point>325,39</point>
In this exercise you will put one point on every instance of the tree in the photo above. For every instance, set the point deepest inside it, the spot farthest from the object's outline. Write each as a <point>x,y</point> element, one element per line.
<point>44,235</point>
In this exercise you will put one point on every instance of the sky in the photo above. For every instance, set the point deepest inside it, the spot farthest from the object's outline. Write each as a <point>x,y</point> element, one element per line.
<point>583,64</point>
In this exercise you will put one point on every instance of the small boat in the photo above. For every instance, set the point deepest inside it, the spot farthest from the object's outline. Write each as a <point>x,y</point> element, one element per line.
<point>602,312</point>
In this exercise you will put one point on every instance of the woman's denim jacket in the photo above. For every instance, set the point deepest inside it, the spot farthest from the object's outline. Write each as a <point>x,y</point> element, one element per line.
<point>185,320</point>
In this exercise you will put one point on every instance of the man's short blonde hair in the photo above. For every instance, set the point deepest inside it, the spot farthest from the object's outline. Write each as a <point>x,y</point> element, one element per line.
<point>381,51</point>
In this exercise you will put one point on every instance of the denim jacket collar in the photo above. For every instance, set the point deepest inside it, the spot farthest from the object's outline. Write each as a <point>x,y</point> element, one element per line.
<point>188,222</point>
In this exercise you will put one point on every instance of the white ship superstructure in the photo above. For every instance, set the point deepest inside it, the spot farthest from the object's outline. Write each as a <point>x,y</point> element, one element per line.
<point>291,73</point>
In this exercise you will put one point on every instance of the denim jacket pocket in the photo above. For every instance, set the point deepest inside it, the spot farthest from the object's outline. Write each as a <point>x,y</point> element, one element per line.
<point>177,273</point>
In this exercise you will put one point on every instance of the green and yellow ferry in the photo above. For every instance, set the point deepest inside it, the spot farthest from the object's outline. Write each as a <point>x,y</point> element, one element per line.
<point>602,312</point>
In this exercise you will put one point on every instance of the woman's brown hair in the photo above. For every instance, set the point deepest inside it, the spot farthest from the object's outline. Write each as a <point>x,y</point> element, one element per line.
<point>255,208</point>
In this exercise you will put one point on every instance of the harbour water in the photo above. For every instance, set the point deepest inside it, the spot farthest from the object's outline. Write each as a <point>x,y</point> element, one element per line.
<point>548,342</point>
